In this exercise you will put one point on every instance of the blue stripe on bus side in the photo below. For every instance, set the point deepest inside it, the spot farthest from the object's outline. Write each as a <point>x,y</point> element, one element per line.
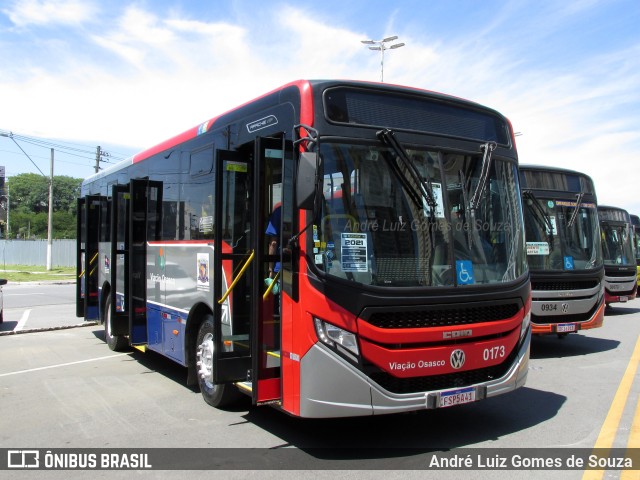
<point>166,327</point>
<point>162,321</point>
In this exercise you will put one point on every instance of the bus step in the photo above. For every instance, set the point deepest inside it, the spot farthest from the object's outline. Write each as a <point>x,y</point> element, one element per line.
<point>273,359</point>
<point>246,387</point>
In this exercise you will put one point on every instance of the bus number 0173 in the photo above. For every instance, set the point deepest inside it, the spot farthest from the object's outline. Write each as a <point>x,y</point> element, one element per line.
<point>493,353</point>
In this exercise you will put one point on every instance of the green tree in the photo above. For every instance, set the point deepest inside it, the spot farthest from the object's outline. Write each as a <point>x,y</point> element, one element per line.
<point>29,205</point>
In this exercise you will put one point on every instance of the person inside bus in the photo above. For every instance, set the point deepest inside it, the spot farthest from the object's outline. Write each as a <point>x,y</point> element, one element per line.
<point>273,236</point>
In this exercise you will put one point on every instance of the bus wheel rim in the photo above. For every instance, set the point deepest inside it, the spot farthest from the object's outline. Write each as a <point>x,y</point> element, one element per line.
<point>205,360</point>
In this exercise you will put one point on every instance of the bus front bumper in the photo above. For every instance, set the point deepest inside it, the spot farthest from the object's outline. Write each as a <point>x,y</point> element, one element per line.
<point>332,387</point>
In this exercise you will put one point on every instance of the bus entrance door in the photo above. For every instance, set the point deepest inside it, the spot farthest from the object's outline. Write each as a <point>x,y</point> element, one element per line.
<point>246,347</point>
<point>233,268</point>
<point>273,218</point>
<point>145,226</point>
<point>89,218</point>
<point>136,219</point>
<point>120,199</point>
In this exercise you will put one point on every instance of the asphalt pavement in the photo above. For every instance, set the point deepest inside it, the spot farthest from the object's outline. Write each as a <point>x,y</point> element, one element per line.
<point>39,306</point>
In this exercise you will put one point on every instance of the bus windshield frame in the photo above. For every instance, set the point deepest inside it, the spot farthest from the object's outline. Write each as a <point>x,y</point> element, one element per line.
<point>617,248</point>
<point>556,244</point>
<point>376,229</point>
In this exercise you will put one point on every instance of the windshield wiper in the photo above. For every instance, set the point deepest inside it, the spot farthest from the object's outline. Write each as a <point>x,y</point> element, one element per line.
<point>387,137</point>
<point>574,215</point>
<point>468,213</point>
<point>539,213</point>
<point>488,148</point>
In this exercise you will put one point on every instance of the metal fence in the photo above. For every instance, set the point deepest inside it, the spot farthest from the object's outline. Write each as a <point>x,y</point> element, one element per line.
<point>34,252</point>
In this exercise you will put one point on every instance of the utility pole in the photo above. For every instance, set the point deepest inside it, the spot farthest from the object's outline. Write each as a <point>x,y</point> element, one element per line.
<point>98,157</point>
<point>8,213</point>
<point>50,228</point>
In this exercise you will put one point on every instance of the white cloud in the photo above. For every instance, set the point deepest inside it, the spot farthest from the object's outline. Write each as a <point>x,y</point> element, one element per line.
<point>42,12</point>
<point>167,73</point>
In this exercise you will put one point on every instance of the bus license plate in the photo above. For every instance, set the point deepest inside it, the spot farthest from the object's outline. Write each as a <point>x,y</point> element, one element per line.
<point>566,327</point>
<point>624,299</point>
<point>457,397</point>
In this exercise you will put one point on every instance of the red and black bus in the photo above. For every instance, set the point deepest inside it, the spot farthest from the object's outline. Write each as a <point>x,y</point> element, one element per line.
<point>331,248</point>
<point>619,254</point>
<point>563,250</point>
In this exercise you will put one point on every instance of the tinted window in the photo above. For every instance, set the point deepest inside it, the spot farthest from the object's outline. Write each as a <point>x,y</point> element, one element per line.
<point>418,113</point>
<point>201,161</point>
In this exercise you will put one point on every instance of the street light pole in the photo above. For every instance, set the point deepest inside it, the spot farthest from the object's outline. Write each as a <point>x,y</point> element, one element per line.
<point>381,47</point>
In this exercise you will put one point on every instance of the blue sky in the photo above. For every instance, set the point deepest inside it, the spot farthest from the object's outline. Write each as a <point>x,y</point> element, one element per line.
<point>128,74</point>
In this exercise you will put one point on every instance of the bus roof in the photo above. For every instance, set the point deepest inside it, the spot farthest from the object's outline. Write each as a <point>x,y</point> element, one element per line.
<point>548,168</point>
<point>608,207</point>
<point>306,116</point>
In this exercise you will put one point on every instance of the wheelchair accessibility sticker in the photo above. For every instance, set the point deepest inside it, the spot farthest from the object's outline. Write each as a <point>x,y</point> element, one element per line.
<point>464,272</point>
<point>568,263</point>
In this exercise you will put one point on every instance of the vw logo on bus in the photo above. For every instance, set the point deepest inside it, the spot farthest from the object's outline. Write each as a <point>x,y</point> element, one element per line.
<point>457,359</point>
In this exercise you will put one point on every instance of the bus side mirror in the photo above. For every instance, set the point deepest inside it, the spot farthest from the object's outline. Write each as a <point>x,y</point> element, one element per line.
<point>307,180</point>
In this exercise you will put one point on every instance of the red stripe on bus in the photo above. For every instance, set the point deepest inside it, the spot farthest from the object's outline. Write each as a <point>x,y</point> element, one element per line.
<point>306,116</point>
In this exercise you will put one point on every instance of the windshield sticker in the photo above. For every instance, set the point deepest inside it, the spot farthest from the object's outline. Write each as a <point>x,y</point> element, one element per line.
<point>205,224</point>
<point>565,203</point>
<point>236,167</point>
<point>353,252</point>
<point>568,263</point>
<point>464,272</point>
<point>550,204</point>
<point>537,248</point>
<point>271,153</point>
<point>554,228</point>
<point>436,188</point>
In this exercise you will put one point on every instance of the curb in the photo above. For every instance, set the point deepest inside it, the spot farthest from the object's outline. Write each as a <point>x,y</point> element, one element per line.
<point>42,282</point>
<point>48,329</point>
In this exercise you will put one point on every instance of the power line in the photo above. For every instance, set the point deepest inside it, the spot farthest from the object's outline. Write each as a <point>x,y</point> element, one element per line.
<point>71,149</point>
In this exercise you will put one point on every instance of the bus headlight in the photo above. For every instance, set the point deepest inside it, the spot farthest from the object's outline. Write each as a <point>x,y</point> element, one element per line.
<point>335,337</point>
<point>526,321</point>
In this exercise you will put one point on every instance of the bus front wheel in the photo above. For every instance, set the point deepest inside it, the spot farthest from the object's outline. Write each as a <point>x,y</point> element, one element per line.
<point>216,395</point>
<point>117,343</point>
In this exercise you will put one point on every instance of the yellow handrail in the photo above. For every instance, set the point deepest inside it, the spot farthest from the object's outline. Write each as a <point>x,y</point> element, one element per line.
<point>237,279</point>
<point>92,260</point>
<point>270,287</point>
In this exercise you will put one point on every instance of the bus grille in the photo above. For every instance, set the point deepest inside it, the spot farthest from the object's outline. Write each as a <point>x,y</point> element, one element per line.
<point>442,382</point>
<point>620,293</point>
<point>575,317</point>
<point>553,285</point>
<point>443,317</point>
<point>619,274</point>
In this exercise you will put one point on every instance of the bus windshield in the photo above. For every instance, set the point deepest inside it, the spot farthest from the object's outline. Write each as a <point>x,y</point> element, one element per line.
<point>377,228</point>
<point>559,237</point>
<point>635,221</point>
<point>617,247</point>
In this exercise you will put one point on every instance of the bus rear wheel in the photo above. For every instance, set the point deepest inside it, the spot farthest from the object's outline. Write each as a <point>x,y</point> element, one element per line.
<point>117,343</point>
<point>216,395</point>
